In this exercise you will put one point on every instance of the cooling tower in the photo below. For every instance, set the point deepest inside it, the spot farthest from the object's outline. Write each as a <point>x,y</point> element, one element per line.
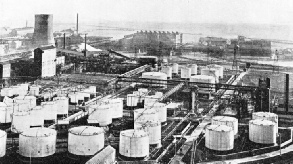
<point>43,33</point>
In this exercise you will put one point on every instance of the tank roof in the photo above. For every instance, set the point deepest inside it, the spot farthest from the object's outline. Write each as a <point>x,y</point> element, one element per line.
<point>262,122</point>
<point>39,132</point>
<point>224,118</point>
<point>265,114</point>
<point>202,77</point>
<point>219,128</point>
<point>86,130</point>
<point>134,133</point>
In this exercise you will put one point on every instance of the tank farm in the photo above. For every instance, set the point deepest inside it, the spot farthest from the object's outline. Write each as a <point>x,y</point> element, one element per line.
<point>181,111</point>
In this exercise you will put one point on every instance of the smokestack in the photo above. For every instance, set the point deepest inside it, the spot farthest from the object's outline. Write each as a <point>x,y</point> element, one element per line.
<point>64,41</point>
<point>77,24</point>
<point>43,32</point>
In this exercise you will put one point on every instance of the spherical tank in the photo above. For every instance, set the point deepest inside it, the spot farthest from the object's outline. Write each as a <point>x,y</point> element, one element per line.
<point>262,131</point>
<point>224,120</point>
<point>152,128</point>
<point>116,105</point>
<point>37,142</point>
<point>100,114</point>
<point>134,143</point>
<point>50,110</point>
<point>144,115</point>
<point>62,105</point>
<point>219,137</point>
<point>266,116</point>
<point>162,111</point>
<point>5,113</point>
<point>3,138</point>
<point>132,100</point>
<point>175,68</point>
<point>37,116</point>
<point>193,69</point>
<point>34,91</point>
<point>20,122</point>
<point>85,140</point>
<point>185,72</point>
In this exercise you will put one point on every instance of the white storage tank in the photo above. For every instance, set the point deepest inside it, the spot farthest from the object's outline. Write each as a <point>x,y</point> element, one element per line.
<point>132,100</point>
<point>193,69</point>
<point>50,110</point>
<point>225,120</point>
<point>218,67</point>
<point>149,101</point>
<point>175,68</point>
<point>30,100</point>
<point>116,106</point>
<point>74,97</point>
<point>37,116</point>
<point>37,142</point>
<point>62,105</point>
<point>3,138</point>
<point>100,114</point>
<point>266,116</point>
<point>185,73</point>
<point>93,89</point>
<point>162,111</point>
<point>20,122</point>
<point>152,128</point>
<point>159,94</point>
<point>24,86</point>
<point>134,143</point>
<point>168,71</point>
<point>155,77</point>
<point>219,137</point>
<point>262,131</point>
<point>5,113</point>
<point>7,92</point>
<point>211,72</point>
<point>85,140</point>
<point>34,91</point>
<point>144,115</point>
<point>204,79</point>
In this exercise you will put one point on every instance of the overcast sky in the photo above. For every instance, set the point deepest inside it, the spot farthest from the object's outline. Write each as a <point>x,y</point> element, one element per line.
<point>16,12</point>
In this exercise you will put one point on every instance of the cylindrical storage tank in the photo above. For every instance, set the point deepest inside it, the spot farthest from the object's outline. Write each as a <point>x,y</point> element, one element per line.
<point>185,73</point>
<point>209,80</point>
<point>30,100</point>
<point>24,86</point>
<point>168,71</point>
<point>175,68</point>
<point>149,101</point>
<point>219,137</point>
<point>86,94</point>
<point>7,92</point>
<point>211,72</point>
<point>73,97</point>
<point>37,142</point>
<point>162,111</point>
<point>85,140</point>
<point>116,106</point>
<point>142,90</point>
<point>158,78</point>
<point>34,91</point>
<point>262,131</point>
<point>152,128</point>
<point>37,116</point>
<point>62,105</point>
<point>134,143</point>
<point>225,120</point>
<point>193,69</point>
<point>50,110</point>
<point>139,96</point>
<point>132,100</point>
<point>20,122</point>
<point>43,31</point>
<point>3,138</point>
<point>159,94</point>
<point>100,114</point>
<point>5,113</point>
<point>144,115</point>
<point>15,90</point>
<point>93,89</point>
<point>266,116</point>
<point>218,67</point>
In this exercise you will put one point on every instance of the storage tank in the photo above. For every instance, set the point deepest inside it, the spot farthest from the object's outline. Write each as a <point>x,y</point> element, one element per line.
<point>162,111</point>
<point>211,72</point>
<point>168,71</point>
<point>219,137</point>
<point>62,105</point>
<point>116,106</point>
<point>7,92</point>
<point>175,68</point>
<point>266,116</point>
<point>204,79</point>
<point>262,131</point>
<point>144,115</point>
<point>225,120</point>
<point>152,128</point>
<point>37,142</point>
<point>24,86</point>
<point>155,77</point>
<point>134,143</point>
<point>3,138</point>
<point>43,31</point>
<point>34,91</point>
<point>185,73</point>
<point>50,110</point>
<point>218,67</point>
<point>149,101</point>
<point>132,100</point>
<point>193,69</point>
<point>20,122</point>
<point>93,89</point>
<point>30,100</point>
<point>74,97</point>
<point>37,116</point>
<point>15,90</point>
<point>5,113</point>
<point>100,114</point>
<point>85,140</point>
